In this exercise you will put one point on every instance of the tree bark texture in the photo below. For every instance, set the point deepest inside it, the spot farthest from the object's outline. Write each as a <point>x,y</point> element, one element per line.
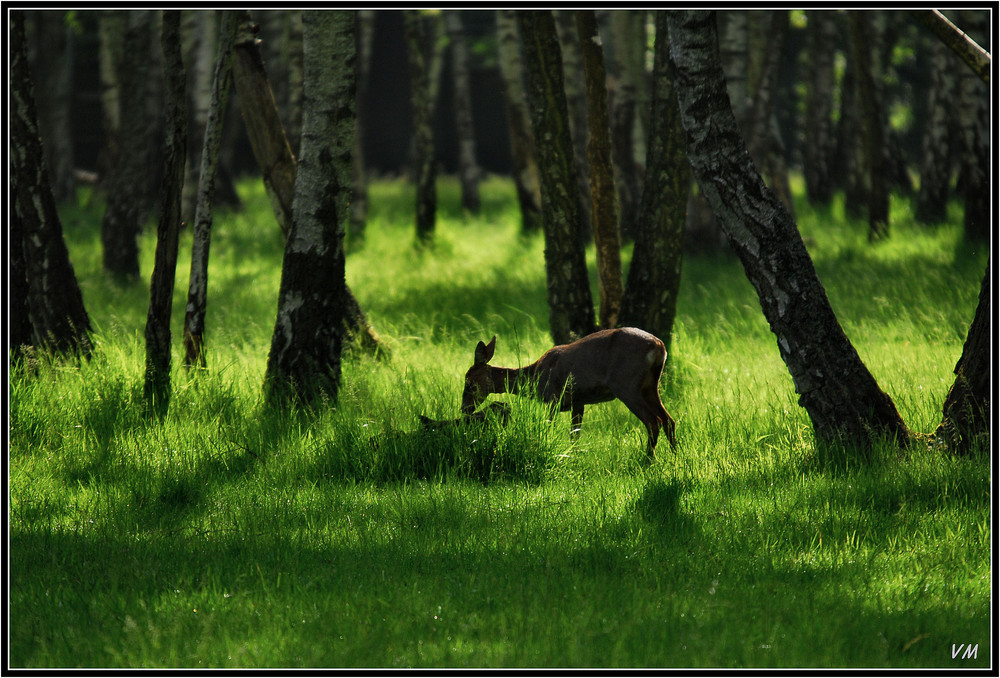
<point>156,386</point>
<point>130,180</point>
<point>576,106</point>
<point>650,300</point>
<point>194,318</point>
<point>423,131</point>
<point>522,142</point>
<point>263,123</point>
<point>869,95</point>
<point>468,170</point>
<point>304,360</point>
<point>274,155</point>
<point>603,196</point>
<point>56,314</point>
<point>821,33</point>
<point>939,138</point>
<point>966,413</point>
<point>571,307</point>
<point>843,400</point>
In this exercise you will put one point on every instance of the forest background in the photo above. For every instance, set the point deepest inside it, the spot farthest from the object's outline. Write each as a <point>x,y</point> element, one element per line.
<point>179,486</point>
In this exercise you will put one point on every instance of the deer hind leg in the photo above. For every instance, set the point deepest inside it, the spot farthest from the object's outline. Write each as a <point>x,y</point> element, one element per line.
<point>650,391</point>
<point>637,405</point>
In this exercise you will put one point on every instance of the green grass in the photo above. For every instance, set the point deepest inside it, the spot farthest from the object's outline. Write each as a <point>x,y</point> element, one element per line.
<point>228,535</point>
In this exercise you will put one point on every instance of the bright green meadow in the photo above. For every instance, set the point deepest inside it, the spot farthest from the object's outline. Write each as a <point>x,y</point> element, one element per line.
<point>231,535</point>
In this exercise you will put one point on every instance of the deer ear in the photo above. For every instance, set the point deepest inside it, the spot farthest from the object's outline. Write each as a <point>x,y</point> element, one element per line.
<point>484,352</point>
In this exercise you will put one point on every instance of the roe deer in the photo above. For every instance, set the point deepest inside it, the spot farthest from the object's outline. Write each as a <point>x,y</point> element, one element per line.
<point>623,363</point>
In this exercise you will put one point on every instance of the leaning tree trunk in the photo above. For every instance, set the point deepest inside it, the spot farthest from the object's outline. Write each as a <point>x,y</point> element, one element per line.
<point>304,361</point>
<point>194,317</point>
<point>650,300</point>
<point>843,400</point>
<point>56,314</point>
<point>522,142</point>
<point>869,95</point>
<point>128,185</point>
<point>274,155</point>
<point>468,170</point>
<point>423,128</point>
<point>571,307</point>
<point>156,386</point>
<point>603,198</point>
<point>965,425</point>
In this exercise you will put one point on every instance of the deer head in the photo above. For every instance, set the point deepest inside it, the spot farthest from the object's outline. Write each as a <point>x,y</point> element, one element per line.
<point>479,378</point>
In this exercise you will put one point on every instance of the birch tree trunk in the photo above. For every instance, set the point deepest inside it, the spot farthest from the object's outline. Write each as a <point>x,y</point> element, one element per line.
<point>844,402</point>
<point>468,170</point>
<point>304,361</point>
<point>56,315</point>
<point>576,106</point>
<point>194,318</point>
<point>522,141</point>
<point>603,197</point>
<point>821,33</point>
<point>156,386</point>
<point>423,129</point>
<point>128,185</point>
<point>869,95</point>
<point>650,300</point>
<point>359,179</point>
<point>571,307</point>
<point>939,137</point>
<point>274,155</point>
<point>199,29</point>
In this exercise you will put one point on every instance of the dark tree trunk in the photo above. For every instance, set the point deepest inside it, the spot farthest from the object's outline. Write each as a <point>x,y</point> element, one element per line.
<point>965,425</point>
<point>194,319</point>
<point>21,333</point>
<point>53,71</point>
<point>304,361</point>
<point>199,31</point>
<point>624,106</point>
<point>130,180</point>
<point>650,300</point>
<point>844,402</point>
<point>156,387</point>
<point>468,170</point>
<point>571,307</point>
<point>939,138</point>
<point>274,155</point>
<point>56,314</point>
<point>869,96</point>
<point>973,114</point>
<point>821,33</point>
<point>522,142</point>
<point>576,107</point>
<point>359,180</point>
<point>425,171</point>
<point>603,198</point>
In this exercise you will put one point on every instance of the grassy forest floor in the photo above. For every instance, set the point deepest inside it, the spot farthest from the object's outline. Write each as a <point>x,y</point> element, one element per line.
<point>232,536</point>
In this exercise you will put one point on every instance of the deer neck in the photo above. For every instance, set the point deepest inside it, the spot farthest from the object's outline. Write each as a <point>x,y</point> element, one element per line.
<point>508,379</point>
